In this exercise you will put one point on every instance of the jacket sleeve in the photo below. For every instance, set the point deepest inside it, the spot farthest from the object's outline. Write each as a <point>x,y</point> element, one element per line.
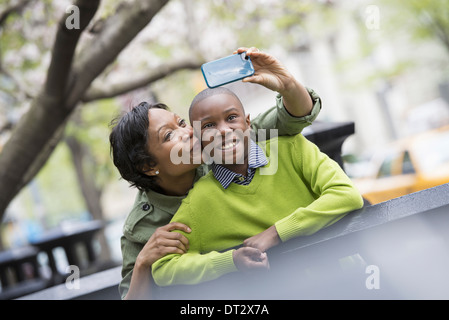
<point>130,251</point>
<point>192,267</point>
<point>335,193</point>
<point>278,118</point>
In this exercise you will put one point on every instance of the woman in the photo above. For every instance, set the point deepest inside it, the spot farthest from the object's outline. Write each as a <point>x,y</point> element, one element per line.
<point>142,149</point>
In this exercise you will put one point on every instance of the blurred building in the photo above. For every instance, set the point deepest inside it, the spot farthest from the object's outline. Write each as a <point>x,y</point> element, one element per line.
<point>392,90</point>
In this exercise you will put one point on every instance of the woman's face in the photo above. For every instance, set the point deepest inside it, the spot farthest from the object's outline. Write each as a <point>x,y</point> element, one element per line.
<point>172,142</point>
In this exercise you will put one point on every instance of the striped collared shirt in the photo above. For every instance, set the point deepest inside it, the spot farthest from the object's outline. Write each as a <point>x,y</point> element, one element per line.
<point>256,159</point>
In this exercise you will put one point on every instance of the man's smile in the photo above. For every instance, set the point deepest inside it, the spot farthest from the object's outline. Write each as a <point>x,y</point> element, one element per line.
<point>228,145</point>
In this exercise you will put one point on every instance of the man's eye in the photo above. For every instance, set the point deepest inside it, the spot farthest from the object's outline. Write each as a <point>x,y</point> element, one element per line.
<point>232,117</point>
<point>207,125</point>
<point>182,123</point>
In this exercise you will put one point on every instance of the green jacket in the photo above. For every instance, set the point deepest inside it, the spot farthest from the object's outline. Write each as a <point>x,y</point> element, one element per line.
<point>152,210</point>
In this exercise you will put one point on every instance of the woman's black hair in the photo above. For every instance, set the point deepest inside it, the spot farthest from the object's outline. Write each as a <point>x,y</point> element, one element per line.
<point>129,146</point>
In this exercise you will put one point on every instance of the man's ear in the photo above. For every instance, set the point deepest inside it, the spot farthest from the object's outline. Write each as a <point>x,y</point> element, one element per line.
<point>248,121</point>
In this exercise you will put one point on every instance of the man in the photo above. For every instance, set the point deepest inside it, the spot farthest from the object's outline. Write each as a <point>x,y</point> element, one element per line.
<point>236,204</point>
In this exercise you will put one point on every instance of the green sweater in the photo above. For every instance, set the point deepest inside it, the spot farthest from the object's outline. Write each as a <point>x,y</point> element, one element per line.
<point>308,191</point>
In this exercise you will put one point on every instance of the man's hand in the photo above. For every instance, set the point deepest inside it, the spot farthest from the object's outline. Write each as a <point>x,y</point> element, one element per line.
<point>247,258</point>
<point>264,240</point>
<point>271,73</point>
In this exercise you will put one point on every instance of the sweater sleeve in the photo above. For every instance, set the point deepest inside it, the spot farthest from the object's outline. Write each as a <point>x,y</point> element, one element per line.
<point>334,191</point>
<point>278,118</point>
<point>192,267</point>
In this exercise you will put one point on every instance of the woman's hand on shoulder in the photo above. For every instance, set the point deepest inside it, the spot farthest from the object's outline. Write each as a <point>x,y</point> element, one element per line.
<point>163,242</point>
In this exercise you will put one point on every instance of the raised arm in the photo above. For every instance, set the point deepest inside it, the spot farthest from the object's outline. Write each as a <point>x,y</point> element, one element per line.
<point>296,106</point>
<point>272,74</point>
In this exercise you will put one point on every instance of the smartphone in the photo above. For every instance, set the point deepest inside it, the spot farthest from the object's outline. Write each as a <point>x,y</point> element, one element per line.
<point>227,69</point>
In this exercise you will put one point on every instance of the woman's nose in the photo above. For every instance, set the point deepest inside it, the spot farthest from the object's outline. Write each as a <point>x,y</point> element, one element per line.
<point>187,132</point>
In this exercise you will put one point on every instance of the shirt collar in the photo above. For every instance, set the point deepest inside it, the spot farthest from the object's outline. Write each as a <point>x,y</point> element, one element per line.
<point>256,159</point>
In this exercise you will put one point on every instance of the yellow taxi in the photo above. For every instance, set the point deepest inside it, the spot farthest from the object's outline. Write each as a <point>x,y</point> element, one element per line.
<point>407,166</point>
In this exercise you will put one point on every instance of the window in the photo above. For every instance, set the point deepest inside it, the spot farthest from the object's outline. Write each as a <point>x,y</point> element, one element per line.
<point>387,164</point>
<point>407,165</point>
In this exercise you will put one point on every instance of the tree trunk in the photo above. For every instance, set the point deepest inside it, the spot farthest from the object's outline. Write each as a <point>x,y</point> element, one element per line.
<point>65,86</point>
<point>31,135</point>
<point>89,190</point>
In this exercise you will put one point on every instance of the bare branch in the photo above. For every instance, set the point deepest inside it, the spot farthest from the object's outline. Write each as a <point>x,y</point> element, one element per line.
<point>64,48</point>
<point>440,29</point>
<point>18,84</point>
<point>15,8</point>
<point>117,32</point>
<point>115,89</point>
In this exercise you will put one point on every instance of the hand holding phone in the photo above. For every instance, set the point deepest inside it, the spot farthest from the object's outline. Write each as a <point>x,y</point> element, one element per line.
<point>226,70</point>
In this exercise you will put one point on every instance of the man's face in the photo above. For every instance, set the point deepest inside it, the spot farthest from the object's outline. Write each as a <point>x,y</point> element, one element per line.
<point>224,128</point>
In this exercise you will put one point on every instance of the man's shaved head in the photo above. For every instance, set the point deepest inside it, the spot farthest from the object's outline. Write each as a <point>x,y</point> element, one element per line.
<point>209,92</point>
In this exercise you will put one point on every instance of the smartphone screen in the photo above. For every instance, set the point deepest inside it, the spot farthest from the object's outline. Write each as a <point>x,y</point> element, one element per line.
<point>227,69</point>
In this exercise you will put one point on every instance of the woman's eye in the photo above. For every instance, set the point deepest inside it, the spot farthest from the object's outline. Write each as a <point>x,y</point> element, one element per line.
<point>168,136</point>
<point>182,123</point>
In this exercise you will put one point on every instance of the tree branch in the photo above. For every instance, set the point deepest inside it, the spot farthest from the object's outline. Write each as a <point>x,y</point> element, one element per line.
<point>15,8</point>
<point>44,118</point>
<point>19,86</point>
<point>29,146</point>
<point>115,89</point>
<point>432,19</point>
<point>64,48</point>
<point>441,31</point>
<point>117,32</point>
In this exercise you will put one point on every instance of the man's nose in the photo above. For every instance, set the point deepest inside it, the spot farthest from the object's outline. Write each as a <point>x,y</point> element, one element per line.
<point>223,128</point>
